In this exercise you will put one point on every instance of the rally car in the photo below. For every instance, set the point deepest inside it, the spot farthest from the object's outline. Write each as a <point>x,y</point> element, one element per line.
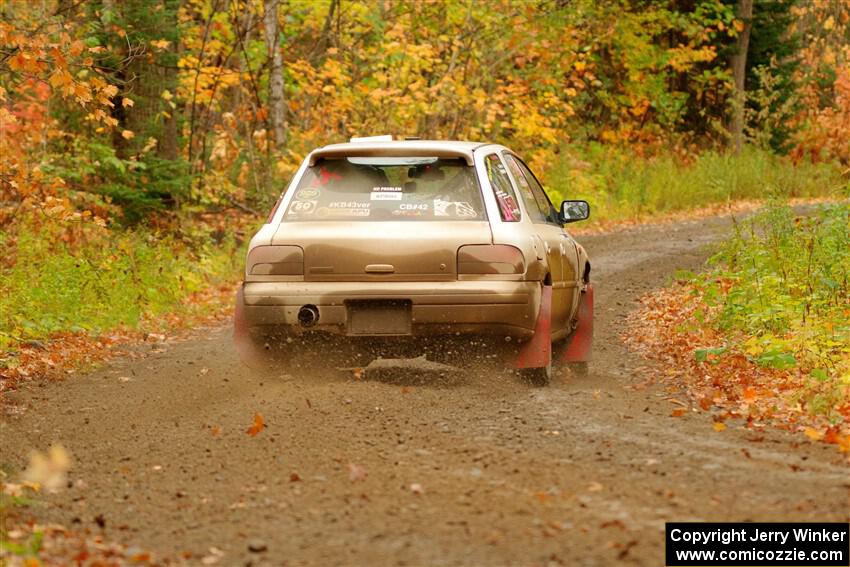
<point>415,238</point>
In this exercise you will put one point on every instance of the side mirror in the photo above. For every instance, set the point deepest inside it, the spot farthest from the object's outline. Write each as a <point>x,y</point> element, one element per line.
<point>572,211</point>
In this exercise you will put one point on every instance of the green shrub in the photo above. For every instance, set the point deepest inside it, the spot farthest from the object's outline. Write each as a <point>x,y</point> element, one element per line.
<point>782,286</point>
<point>106,281</point>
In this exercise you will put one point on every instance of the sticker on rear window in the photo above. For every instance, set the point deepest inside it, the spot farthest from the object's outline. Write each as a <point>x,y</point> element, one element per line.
<point>348,205</point>
<point>325,212</point>
<point>386,194</point>
<point>408,213</point>
<point>303,207</point>
<point>464,209</point>
<point>460,209</point>
<point>307,194</point>
<point>441,208</point>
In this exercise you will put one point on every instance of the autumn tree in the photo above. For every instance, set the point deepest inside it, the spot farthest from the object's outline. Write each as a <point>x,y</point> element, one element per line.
<point>276,97</point>
<point>738,63</point>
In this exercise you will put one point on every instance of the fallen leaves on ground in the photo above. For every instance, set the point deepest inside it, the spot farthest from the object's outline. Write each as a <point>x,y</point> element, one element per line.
<point>64,354</point>
<point>664,329</point>
<point>48,470</point>
<point>57,545</point>
<point>258,425</point>
<point>356,473</point>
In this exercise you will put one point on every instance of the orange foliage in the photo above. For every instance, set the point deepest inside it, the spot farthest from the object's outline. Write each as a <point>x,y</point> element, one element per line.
<point>664,330</point>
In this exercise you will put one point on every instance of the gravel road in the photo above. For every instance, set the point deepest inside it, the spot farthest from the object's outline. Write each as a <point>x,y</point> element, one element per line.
<point>489,471</point>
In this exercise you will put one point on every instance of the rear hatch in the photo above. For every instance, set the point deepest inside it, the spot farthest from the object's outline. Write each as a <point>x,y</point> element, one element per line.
<point>381,250</point>
<point>384,218</point>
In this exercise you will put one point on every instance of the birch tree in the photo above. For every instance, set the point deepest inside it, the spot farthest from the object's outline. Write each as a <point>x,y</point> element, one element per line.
<point>276,98</point>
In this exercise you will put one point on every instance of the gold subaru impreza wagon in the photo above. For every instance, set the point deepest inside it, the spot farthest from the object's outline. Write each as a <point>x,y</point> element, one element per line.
<point>415,238</point>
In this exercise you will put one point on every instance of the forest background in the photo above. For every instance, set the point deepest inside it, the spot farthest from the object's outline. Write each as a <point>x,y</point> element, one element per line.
<point>142,141</point>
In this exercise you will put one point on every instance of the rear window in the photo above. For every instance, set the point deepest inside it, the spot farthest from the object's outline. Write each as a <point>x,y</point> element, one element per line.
<point>388,188</point>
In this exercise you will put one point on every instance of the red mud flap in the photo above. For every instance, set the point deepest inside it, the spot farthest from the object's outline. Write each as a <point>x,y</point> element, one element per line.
<point>579,345</point>
<point>241,337</point>
<point>537,353</point>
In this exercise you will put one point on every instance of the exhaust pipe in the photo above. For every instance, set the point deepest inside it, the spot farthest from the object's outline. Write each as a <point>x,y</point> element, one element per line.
<point>308,315</point>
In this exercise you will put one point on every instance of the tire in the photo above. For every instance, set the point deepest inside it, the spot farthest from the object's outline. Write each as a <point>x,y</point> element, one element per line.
<point>538,377</point>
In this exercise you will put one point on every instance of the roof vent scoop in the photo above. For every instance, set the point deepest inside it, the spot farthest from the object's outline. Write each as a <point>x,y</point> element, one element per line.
<point>384,138</point>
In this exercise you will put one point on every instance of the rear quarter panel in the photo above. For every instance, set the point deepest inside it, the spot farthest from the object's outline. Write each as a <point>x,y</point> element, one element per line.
<point>518,234</point>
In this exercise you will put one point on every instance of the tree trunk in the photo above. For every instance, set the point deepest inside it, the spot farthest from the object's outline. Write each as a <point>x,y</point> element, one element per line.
<point>276,101</point>
<point>738,63</point>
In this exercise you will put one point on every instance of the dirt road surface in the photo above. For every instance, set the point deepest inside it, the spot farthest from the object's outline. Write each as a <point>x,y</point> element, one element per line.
<point>487,472</point>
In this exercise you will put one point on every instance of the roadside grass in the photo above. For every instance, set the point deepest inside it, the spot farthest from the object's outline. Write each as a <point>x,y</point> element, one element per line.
<point>765,332</point>
<point>61,282</point>
<point>621,187</point>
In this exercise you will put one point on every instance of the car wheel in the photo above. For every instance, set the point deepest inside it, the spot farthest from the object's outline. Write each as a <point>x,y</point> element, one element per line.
<point>537,376</point>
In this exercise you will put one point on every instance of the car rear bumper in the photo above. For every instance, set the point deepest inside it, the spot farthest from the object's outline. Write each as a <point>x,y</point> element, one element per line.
<point>506,308</point>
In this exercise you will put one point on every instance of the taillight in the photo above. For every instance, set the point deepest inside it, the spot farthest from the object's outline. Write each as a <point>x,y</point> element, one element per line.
<point>275,261</point>
<point>490,259</point>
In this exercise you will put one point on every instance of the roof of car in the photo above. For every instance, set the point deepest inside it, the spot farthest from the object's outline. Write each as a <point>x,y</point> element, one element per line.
<point>405,148</point>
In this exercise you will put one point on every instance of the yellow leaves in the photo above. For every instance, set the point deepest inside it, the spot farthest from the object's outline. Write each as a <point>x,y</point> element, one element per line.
<point>609,136</point>
<point>60,78</point>
<point>639,109</point>
<point>813,434</point>
<point>580,66</point>
<point>127,134</point>
<point>26,63</point>
<point>6,117</point>
<point>108,91</point>
<point>753,346</point>
<point>127,102</point>
<point>97,116</point>
<point>187,62</point>
<point>719,426</point>
<point>149,145</point>
<point>682,58</point>
<point>82,93</point>
<point>160,43</point>
<point>58,58</point>
<point>76,48</point>
<point>48,470</point>
<point>829,23</point>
